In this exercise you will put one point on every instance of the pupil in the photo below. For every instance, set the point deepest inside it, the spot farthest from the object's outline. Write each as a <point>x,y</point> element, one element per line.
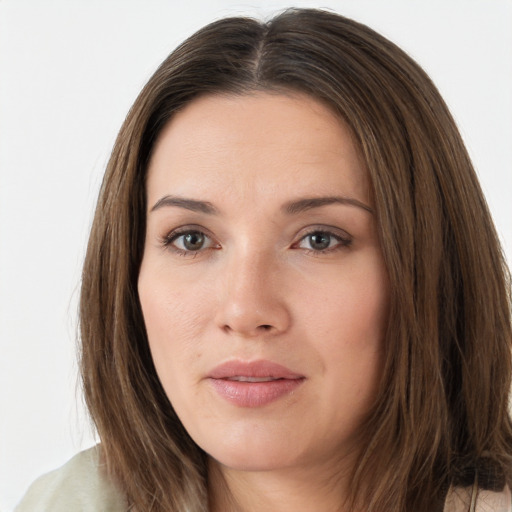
<point>320,241</point>
<point>193,241</point>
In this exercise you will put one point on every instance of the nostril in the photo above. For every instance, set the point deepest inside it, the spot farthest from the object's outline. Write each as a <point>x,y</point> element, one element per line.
<point>266,327</point>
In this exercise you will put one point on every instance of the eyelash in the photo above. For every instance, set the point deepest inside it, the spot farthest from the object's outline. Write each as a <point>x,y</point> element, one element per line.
<point>343,241</point>
<point>168,242</point>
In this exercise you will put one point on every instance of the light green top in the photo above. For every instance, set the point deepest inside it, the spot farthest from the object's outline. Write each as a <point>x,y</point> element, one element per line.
<point>81,485</point>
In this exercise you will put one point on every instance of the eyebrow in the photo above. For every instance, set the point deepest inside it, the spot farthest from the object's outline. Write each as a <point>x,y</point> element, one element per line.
<point>308,203</point>
<point>290,208</point>
<point>188,204</point>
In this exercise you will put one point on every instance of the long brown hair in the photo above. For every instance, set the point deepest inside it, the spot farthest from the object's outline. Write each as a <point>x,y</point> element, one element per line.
<point>441,417</point>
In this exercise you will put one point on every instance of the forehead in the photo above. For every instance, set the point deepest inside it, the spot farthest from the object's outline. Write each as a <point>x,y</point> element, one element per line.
<point>255,144</point>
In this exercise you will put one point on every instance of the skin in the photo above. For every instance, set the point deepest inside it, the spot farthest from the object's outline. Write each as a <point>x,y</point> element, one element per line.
<point>257,286</point>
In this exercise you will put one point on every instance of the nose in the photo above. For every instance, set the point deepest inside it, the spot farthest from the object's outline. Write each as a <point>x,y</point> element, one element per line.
<point>252,299</point>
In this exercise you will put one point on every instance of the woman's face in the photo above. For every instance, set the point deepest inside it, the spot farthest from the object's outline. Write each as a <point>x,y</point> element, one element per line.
<point>262,285</point>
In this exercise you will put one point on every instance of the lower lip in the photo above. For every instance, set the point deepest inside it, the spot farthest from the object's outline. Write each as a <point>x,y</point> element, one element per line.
<point>254,394</point>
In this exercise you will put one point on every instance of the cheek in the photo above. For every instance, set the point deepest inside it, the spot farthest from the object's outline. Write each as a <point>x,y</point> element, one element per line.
<point>351,304</point>
<point>348,327</point>
<point>174,317</point>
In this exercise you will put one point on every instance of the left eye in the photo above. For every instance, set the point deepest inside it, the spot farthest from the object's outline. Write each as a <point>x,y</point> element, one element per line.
<point>322,241</point>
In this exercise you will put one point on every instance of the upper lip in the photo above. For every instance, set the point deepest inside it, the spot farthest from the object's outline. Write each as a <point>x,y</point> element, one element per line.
<point>257,369</point>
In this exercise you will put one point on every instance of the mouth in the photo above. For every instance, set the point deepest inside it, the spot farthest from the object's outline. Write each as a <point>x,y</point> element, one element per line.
<point>240,378</point>
<point>254,384</point>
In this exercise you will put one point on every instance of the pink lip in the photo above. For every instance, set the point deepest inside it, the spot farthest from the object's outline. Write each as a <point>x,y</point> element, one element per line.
<point>253,394</point>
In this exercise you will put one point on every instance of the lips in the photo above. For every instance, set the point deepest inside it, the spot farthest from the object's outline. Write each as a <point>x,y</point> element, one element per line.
<point>253,384</point>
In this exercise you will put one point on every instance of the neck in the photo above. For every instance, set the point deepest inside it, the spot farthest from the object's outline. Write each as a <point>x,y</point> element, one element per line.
<point>284,490</point>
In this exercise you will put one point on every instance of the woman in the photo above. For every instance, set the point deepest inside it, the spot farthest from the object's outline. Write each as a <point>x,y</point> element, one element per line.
<point>293,295</point>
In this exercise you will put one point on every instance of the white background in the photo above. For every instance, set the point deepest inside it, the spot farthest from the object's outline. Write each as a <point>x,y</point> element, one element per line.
<point>69,71</point>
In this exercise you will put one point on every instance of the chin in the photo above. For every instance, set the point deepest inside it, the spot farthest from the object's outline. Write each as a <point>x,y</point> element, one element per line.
<point>254,453</point>
<point>251,462</point>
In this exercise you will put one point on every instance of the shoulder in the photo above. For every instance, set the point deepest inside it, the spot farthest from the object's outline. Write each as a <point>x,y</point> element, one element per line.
<point>80,485</point>
<point>459,500</point>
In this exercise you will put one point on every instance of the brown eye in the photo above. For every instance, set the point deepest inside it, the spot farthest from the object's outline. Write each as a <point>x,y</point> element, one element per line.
<point>193,241</point>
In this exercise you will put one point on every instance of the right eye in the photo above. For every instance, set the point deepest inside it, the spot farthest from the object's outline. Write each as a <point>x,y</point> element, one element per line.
<point>188,242</point>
